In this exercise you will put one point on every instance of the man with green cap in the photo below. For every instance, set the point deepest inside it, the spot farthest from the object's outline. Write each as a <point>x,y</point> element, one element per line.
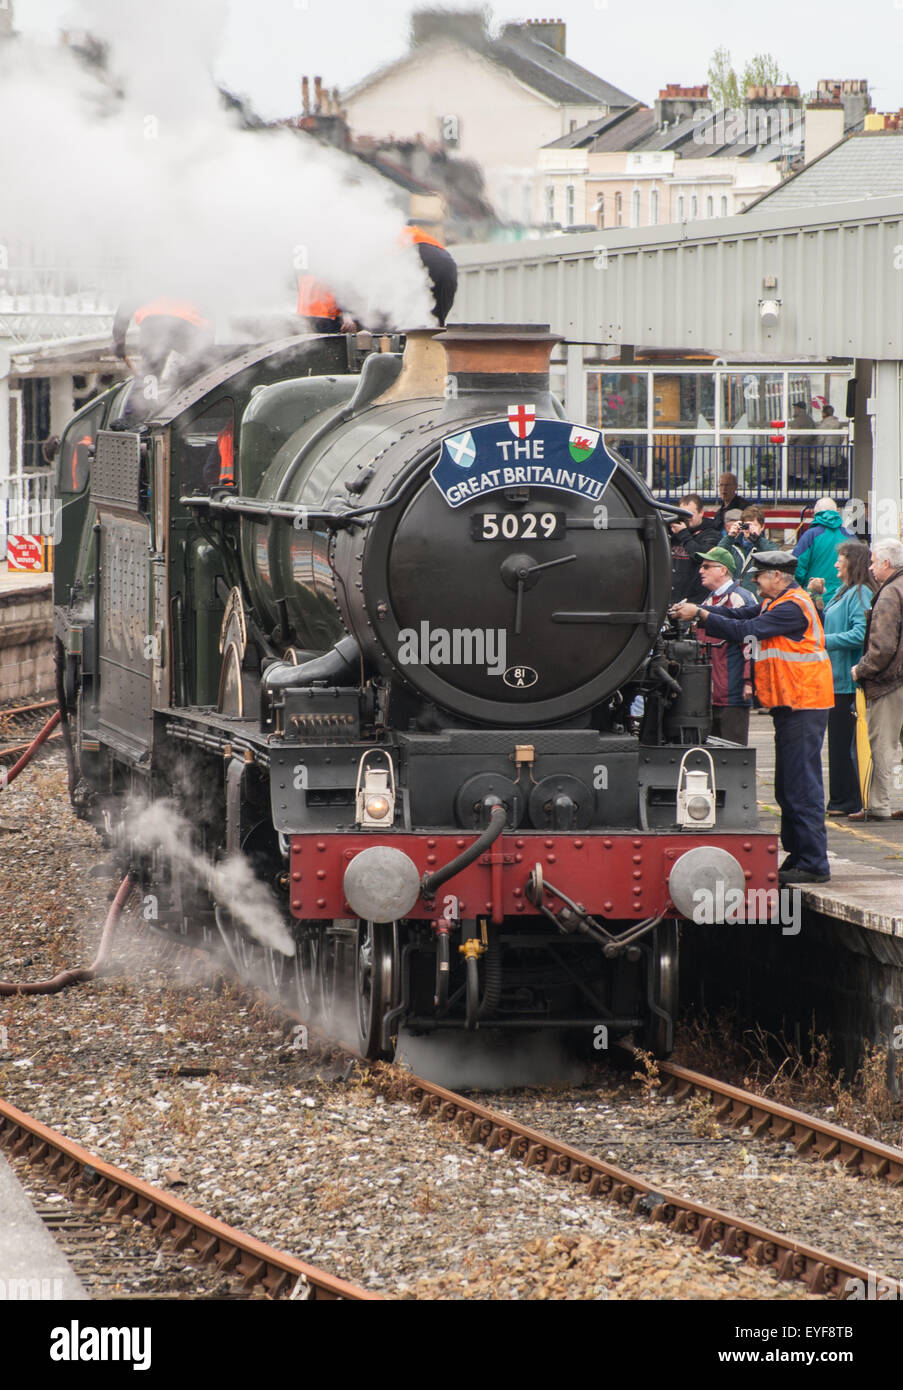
<point>731,675</point>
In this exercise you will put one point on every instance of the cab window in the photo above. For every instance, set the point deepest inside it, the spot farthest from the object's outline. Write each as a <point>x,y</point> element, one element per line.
<point>74,463</point>
<point>206,449</point>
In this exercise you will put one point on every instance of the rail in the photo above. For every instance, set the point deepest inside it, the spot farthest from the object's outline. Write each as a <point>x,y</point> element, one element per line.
<point>823,1273</point>
<point>187,1227</point>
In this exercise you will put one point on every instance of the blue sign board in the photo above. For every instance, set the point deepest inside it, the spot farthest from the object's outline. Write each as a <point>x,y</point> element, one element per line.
<point>523,452</point>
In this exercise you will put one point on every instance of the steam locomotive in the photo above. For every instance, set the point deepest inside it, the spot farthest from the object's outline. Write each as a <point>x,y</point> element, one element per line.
<point>377,622</point>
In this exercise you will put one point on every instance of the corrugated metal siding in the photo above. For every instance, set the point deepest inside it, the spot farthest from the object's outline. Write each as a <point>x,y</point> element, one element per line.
<point>839,271</point>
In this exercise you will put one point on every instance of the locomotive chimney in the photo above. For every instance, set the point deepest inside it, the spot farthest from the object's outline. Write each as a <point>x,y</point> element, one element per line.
<point>489,364</point>
<point>422,369</point>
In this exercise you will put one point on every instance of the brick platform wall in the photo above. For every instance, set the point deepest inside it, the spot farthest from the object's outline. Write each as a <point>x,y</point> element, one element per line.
<point>26,642</point>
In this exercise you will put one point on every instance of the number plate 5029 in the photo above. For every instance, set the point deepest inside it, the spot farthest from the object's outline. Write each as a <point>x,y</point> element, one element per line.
<point>517,526</point>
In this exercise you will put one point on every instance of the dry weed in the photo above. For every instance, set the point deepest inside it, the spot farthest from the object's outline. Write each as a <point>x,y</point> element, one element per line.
<point>649,1078</point>
<point>701,1110</point>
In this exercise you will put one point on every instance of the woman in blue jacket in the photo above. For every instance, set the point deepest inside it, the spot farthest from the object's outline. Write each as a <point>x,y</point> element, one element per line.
<point>844,638</point>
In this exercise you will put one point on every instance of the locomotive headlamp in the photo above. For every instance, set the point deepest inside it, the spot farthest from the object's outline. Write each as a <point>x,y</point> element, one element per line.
<point>377,807</point>
<point>696,792</point>
<point>375,792</point>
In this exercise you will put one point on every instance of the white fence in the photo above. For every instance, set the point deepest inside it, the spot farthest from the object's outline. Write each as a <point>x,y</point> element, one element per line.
<point>26,504</point>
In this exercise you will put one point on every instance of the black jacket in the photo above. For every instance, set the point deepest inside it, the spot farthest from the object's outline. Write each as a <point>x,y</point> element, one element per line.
<point>736,504</point>
<point>686,547</point>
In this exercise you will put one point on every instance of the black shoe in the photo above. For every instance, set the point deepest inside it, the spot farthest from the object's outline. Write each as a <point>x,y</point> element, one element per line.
<point>789,863</point>
<point>791,876</point>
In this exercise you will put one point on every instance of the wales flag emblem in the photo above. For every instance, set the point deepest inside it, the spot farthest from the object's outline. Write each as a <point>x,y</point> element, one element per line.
<point>582,443</point>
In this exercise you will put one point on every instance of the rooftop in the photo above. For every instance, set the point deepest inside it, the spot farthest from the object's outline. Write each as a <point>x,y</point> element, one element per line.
<point>533,52</point>
<point>867,164</point>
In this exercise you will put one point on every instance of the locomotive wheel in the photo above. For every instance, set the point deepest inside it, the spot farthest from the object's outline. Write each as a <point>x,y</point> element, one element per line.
<point>657,1036</point>
<point>372,983</point>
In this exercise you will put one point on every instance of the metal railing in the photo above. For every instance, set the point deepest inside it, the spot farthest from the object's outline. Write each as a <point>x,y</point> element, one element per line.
<point>58,289</point>
<point>766,473</point>
<point>27,503</point>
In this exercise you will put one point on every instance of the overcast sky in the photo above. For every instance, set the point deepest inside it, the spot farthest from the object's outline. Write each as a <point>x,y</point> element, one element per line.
<point>639,45</point>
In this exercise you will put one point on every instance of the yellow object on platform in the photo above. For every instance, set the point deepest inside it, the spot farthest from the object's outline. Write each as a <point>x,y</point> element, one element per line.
<point>863,749</point>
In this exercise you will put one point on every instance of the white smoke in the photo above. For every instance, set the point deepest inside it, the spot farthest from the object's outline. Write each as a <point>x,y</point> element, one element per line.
<point>144,168</point>
<point>159,827</point>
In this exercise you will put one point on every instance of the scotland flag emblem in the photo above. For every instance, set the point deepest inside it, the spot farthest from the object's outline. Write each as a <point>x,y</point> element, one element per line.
<point>462,449</point>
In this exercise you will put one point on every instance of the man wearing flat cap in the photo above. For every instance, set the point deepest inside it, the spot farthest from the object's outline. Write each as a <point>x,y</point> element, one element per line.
<point>793,679</point>
<point>731,675</point>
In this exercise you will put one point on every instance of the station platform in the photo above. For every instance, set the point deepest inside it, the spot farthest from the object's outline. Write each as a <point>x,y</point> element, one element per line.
<point>26,634</point>
<point>31,1264</point>
<point>17,581</point>
<point>866,887</point>
<point>828,968</point>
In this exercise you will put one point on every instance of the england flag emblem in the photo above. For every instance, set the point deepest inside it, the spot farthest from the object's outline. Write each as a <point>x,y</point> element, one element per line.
<point>521,420</point>
<point>462,449</point>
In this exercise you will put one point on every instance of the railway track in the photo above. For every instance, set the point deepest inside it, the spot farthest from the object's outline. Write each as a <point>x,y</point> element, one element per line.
<point>120,1194</point>
<point>767,1119</point>
<point>822,1272</point>
<point>23,722</point>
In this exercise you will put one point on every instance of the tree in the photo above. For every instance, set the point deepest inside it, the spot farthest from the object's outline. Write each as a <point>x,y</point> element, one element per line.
<point>761,71</point>
<point>724,90</point>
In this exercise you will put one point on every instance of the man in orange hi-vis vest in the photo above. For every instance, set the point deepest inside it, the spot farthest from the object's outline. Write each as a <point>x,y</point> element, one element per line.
<point>793,679</point>
<point>173,339</point>
<point>165,326</point>
<point>439,265</point>
<point>317,304</point>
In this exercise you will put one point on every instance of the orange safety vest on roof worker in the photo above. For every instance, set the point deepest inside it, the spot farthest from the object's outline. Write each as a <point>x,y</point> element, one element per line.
<point>314,299</point>
<point>416,236</point>
<point>798,673</point>
<point>171,309</point>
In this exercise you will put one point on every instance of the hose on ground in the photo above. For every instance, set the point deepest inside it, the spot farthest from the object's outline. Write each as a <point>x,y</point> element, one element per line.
<point>30,750</point>
<point>76,977</point>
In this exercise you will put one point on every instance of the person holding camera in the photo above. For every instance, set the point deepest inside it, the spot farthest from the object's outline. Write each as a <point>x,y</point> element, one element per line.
<point>749,534</point>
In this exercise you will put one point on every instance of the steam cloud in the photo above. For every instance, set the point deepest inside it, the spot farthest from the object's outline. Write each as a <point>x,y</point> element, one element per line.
<point>231,883</point>
<point>144,170</point>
